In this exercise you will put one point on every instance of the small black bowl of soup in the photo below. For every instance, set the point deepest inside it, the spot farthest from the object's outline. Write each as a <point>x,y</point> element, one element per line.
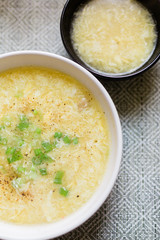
<point>113,39</point>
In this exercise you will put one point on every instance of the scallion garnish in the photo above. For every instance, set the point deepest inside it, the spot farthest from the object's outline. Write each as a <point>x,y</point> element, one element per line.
<point>66,140</point>
<point>10,150</point>
<point>18,182</point>
<point>21,169</point>
<point>37,160</point>
<point>35,112</point>
<point>43,171</point>
<point>38,131</point>
<point>33,173</point>
<point>16,156</point>
<point>58,135</point>
<point>40,157</point>
<point>75,140</point>
<point>58,177</point>
<point>63,191</point>
<point>47,146</point>
<point>37,151</point>
<point>24,123</point>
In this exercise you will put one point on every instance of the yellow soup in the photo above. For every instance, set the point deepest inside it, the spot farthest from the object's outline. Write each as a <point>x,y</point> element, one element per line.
<point>54,145</point>
<point>114,36</point>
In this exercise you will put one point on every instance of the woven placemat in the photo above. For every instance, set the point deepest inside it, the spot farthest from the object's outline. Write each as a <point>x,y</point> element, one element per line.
<point>132,211</point>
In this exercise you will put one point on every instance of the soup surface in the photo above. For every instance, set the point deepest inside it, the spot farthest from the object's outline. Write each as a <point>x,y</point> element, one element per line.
<point>114,36</point>
<point>54,145</point>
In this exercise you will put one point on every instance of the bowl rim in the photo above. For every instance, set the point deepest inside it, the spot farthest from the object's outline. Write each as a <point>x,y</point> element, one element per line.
<point>45,231</point>
<point>98,74</point>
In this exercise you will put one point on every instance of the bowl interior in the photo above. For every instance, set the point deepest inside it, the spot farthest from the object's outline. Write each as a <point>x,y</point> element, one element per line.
<point>46,231</point>
<point>66,22</point>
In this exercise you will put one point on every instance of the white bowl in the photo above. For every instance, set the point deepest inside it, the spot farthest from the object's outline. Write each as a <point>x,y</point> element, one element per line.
<point>45,231</point>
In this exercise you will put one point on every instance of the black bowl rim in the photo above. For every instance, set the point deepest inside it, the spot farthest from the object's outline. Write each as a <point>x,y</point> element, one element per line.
<point>98,74</point>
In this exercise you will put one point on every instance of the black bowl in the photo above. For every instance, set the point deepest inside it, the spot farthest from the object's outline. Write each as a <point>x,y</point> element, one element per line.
<point>67,15</point>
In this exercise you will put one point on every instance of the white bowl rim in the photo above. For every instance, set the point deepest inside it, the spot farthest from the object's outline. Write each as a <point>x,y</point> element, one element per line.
<point>35,232</point>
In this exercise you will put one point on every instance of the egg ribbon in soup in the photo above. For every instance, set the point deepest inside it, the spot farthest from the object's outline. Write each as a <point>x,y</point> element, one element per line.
<point>114,36</point>
<point>54,145</point>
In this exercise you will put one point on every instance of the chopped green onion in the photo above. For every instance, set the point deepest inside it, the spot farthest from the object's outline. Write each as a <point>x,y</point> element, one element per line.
<point>58,177</point>
<point>35,112</point>
<point>33,169</point>
<point>3,141</point>
<point>40,157</point>
<point>32,174</point>
<point>24,123</point>
<point>37,151</point>
<point>66,140</point>
<point>58,135</point>
<point>18,182</point>
<point>63,191</point>
<point>21,169</point>
<point>54,144</point>
<point>16,156</point>
<point>75,140</point>
<point>48,146</point>
<point>38,131</point>
<point>10,150</point>
<point>47,158</point>
<point>37,160</point>
<point>43,171</point>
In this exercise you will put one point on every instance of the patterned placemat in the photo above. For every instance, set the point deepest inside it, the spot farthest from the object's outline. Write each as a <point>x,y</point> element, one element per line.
<point>132,211</point>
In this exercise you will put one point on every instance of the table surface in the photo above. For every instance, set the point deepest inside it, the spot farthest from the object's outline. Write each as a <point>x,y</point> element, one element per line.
<point>132,210</point>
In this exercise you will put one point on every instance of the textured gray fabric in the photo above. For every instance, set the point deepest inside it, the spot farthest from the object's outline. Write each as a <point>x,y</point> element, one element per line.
<point>132,211</point>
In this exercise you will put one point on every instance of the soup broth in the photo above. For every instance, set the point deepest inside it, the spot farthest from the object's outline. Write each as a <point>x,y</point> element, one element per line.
<point>114,36</point>
<point>54,145</point>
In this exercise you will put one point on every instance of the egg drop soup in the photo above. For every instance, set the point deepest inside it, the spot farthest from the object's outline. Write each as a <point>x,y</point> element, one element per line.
<point>113,36</point>
<point>54,145</point>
